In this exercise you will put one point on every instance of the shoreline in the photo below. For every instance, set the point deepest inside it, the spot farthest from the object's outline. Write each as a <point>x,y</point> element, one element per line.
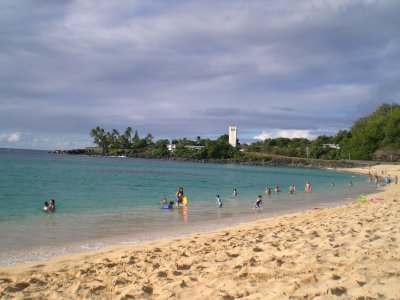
<point>43,253</point>
<point>92,246</point>
<point>253,159</point>
<point>284,256</point>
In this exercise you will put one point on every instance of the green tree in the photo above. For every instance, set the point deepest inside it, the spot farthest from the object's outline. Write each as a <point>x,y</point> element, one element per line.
<point>100,138</point>
<point>149,139</point>
<point>136,139</point>
<point>160,149</point>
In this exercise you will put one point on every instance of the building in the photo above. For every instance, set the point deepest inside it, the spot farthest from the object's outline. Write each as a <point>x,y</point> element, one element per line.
<point>332,146</point>
<point>233,135</point>
<point>190,147</point>
<point>171,147</point>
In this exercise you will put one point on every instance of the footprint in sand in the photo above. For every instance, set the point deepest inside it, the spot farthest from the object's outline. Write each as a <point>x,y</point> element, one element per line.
<point>20,286</point>
<point>233,255</point>
<point>5,280</point>
<point>257,249</point>
<point>183,267</point>
<point>176,273</point>
<point>162,274</point>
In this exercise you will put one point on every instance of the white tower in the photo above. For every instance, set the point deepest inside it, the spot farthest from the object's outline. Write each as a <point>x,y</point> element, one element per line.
<point>233,135</point>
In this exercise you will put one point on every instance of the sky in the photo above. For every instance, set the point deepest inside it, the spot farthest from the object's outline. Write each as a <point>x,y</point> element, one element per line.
<point>180,69</point>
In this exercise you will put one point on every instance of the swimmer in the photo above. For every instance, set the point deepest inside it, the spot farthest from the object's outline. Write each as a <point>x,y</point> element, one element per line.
<point>268,191</point>
<point>292,189</point>
<point>308,187</point>
<point>350,183</point>
<point>169,205</point>
<point>46,207</point>
<point>258,203</point>
<point>52,206</point>
<point>219,201</point>
<point>164,201</point>
<point>234,192</point>
<point>277,190</point>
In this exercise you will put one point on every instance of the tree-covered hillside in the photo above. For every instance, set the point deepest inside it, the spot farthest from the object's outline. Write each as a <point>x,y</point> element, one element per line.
<point>376,136</point>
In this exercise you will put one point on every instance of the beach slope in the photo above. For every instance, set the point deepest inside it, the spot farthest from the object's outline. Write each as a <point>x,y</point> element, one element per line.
<point>348,252</point>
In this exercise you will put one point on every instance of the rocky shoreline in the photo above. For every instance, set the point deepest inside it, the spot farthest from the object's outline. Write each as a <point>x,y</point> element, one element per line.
<point>255,160</point>
<point>289,162</point>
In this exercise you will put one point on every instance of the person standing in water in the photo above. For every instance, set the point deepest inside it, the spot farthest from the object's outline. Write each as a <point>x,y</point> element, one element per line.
<point>234,192</point>
<point>292,189</point>
<point>308,187</point>
<point>179,196</point>
<point>258,203</point>
<point>219,201</point>
<point>268,191</point>
<point>52,206</point>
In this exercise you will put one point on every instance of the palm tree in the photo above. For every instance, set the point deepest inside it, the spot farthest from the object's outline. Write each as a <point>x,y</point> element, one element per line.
<point>136,139</point>
<point>126,138</point>
<point>99,137</point>
<point>115,138</point>
<point>149,139</point>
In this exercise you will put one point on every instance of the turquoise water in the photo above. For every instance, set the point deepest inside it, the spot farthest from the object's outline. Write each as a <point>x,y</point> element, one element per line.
<point>105,201</point>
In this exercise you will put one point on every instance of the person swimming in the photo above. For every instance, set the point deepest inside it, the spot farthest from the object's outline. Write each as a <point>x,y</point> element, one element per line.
<point>268,191</point>
<point>277,190</point>
<point>46,207</point>
<point>52,206</point>
<point>234,192</point>
<point>169,205</point>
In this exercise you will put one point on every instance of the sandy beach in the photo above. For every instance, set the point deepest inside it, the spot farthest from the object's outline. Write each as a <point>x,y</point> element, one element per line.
<point>348,252</point>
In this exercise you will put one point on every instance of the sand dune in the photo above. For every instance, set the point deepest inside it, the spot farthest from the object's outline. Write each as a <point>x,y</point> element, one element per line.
<point>347,252</point>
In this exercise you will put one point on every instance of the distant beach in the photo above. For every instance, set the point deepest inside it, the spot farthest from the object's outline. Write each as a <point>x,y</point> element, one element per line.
<point>349,251</point>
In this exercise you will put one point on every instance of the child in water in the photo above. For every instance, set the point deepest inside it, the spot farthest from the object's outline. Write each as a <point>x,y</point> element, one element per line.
<point>258,203</point>
<point>46,207</point>
<point>169,205</point>
<point>219,201</point>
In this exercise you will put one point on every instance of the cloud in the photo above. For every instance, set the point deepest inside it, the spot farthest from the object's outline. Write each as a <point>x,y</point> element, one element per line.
<point>187,69</point>
<point>11,137</point>
<point>284,133</point>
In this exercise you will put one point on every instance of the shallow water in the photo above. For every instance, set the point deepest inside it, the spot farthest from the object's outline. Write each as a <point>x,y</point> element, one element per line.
<point>107,201</point>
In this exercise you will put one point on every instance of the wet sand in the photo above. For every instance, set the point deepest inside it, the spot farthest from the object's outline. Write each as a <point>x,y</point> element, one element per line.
<point>349,252</point>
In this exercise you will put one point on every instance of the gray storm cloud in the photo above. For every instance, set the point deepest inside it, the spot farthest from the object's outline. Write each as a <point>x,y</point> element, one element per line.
<point>183,69</point>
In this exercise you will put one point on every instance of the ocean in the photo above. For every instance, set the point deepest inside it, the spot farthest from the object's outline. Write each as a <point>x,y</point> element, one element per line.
<point>104,201</point>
